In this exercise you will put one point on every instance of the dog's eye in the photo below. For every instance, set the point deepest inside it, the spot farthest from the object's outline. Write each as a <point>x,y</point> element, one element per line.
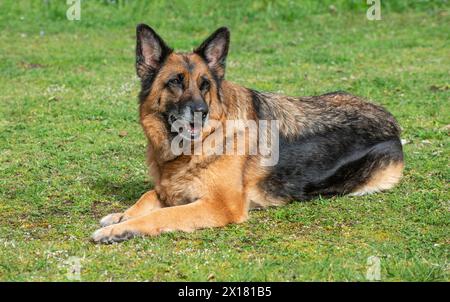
<point>205,85</point>
<point>176,81</point>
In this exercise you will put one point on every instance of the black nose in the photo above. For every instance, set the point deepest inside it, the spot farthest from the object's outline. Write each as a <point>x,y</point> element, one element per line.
<point>199,106</point>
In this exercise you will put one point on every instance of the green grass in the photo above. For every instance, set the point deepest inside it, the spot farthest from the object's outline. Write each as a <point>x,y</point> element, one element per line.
<point>69,88</point>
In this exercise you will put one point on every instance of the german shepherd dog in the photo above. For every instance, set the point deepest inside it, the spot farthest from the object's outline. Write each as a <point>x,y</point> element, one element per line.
<point>331,144</point>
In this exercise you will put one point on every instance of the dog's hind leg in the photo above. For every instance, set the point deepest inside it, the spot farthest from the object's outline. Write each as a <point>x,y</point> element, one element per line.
<point>147,203</point>
<point>384,166</point>
<point>373,169</point>
<point>383,179</point>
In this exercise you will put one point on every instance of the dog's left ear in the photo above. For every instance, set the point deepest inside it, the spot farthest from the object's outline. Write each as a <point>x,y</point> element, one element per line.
<point>214,51</point>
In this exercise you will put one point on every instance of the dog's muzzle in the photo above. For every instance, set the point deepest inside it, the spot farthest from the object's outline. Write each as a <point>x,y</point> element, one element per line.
<point>189,119</point>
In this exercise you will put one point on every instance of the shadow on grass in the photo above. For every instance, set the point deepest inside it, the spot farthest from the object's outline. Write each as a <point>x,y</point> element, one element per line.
<point>126,192</point>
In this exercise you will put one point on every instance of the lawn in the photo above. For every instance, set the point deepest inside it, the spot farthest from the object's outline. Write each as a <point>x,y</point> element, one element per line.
<point>72,150</point>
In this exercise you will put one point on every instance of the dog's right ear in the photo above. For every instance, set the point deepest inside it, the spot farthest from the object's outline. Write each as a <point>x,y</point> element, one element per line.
<point>151,51</point>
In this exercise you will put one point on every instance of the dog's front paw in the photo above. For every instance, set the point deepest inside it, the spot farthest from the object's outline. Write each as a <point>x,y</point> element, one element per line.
<point>111,219</point>
<point>112,234</point>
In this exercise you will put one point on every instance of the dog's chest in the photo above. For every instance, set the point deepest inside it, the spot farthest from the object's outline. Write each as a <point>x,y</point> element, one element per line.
<point>180,183</point>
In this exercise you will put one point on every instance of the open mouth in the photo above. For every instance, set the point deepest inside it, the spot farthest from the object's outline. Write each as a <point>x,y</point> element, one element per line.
<point>193,130</point>
<point>189,130</point>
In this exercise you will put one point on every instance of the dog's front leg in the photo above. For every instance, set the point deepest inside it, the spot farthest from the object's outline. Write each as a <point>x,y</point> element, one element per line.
<point>203,213</point>
<point>147,203</point>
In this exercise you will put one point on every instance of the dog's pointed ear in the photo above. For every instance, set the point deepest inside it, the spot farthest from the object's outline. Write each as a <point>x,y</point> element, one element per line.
<point>214,50</point>
<point>151,51</point>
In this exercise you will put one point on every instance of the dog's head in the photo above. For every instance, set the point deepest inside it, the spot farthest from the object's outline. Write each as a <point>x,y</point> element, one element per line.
<point>181,88</point>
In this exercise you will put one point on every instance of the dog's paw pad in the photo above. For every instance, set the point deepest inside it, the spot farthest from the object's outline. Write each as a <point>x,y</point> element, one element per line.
<point>108,235</point>
<point>111,219</point>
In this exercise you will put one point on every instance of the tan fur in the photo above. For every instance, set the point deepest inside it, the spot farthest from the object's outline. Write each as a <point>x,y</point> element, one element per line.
<point>383,179</point>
